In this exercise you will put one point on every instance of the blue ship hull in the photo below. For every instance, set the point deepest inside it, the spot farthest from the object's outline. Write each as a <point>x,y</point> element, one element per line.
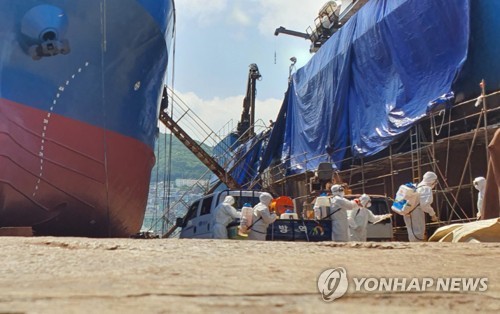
<point>80,84</point>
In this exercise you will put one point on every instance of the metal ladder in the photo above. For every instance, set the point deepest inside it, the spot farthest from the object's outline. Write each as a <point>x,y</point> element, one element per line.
<point>181,114</point>
<point>169,214</point>
<point>415,153</point>
<point>180,119</point>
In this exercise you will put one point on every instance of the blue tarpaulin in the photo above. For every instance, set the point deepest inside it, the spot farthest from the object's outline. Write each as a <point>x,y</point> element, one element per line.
<point>247,159</point>
<point>373,79</point>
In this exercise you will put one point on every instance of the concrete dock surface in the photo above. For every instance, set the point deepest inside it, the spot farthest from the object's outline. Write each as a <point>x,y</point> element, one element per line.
<point>82,275</point>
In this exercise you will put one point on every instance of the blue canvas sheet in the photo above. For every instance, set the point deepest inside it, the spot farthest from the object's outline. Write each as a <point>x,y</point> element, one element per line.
<point>373,79</point>
<point>249,157</point>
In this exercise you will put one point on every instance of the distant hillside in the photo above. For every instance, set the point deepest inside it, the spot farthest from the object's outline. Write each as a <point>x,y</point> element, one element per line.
<point>185,165</point>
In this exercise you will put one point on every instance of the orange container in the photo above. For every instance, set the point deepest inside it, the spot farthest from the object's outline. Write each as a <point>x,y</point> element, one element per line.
<point>281,204</point>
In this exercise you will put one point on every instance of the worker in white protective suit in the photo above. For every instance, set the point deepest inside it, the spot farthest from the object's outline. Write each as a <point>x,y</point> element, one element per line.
<point>338,214</point>
<point>359,218</point>
<point>224,214</point>
<point>261,218</point>
<point>480,185</point>
<point>415,220</point>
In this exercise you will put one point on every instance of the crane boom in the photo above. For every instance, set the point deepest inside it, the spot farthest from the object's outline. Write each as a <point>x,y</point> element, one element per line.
<point>282,30</point>
<point>247,121</point>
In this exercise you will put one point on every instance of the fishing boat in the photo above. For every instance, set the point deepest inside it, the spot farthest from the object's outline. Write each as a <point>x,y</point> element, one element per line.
<point>80,89</point>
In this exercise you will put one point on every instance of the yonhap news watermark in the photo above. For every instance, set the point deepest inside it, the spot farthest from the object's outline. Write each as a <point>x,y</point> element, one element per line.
<point>333,283</point>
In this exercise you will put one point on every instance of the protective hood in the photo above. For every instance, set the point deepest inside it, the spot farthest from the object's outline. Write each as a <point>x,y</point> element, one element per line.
<point>429,179</point>
<point>266,198</point>
<point>337,190</point>
<point>229,200</point>
<point>364,200</point>
<point>480,183</point>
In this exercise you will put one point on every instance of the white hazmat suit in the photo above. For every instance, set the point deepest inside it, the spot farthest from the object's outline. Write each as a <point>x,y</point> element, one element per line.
<point>359,218</point>
<point>480,185</point>
<point>261,218</point>
<point>224,214</point>
<point>415,220</point>
<point>339,208</point>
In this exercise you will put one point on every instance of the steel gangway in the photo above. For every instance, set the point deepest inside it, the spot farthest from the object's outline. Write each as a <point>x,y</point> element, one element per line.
<point>180,119</point>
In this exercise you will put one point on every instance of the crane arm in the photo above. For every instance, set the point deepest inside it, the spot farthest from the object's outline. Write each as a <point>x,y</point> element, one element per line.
<point>282,30</point>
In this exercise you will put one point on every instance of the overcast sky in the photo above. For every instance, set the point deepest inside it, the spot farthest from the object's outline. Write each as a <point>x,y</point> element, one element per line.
<point>216,41</point>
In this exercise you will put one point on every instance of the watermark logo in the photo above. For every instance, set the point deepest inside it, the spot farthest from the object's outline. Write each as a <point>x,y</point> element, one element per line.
<point>454,284</point>
<point>333,283</point>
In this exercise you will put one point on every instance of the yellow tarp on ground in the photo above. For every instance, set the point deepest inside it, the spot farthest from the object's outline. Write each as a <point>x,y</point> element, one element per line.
<point>476,231</point>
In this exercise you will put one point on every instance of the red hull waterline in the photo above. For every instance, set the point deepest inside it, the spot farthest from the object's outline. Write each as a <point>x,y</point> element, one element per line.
<point>67,178</point>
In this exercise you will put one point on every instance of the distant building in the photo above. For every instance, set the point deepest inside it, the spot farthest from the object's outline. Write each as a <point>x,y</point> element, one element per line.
<point>189,182</point>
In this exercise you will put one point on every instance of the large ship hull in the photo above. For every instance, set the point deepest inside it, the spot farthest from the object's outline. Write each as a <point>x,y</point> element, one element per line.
<point>80,87</point>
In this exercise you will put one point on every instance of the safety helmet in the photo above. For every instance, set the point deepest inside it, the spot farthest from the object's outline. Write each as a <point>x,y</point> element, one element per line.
<point>229,200</point>
<point>265,198</point>
<point>365,200</point>
<point>337,190</point>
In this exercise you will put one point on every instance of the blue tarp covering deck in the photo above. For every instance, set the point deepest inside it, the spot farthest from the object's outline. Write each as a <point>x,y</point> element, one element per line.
<point>373,79</point>
<point>389,66</point>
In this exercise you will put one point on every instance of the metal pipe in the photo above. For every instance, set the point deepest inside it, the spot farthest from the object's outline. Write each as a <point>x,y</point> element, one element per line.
<point>483,87</point>
<point>466,162</point>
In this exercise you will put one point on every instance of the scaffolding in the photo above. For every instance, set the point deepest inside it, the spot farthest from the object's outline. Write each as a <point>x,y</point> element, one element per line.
<point>452,142</point>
